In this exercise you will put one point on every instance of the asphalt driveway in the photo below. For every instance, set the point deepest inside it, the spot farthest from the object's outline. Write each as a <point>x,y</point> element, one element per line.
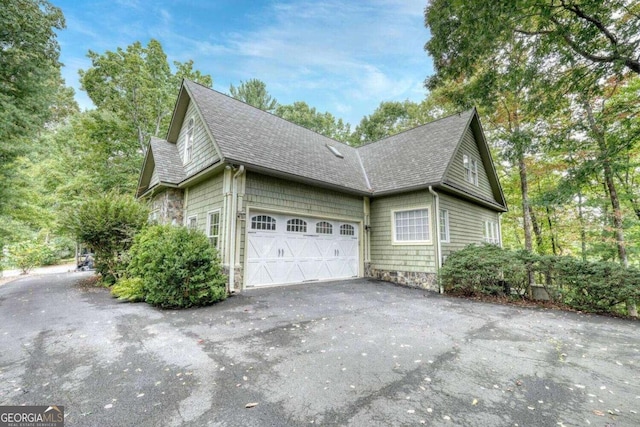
<point>360,353</point>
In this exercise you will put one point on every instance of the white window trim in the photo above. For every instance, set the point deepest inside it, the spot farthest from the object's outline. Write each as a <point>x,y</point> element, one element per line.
<point>470,166</point>
<point>492,232</point>
<point>209,225</point>
<point>188,222</point>
<point>395,242</point>
<point>191,126</point>
<point>446,226</point>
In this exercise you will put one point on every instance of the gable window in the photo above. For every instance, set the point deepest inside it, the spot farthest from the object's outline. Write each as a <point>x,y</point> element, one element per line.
<point>444,225</point>
<point>491,232</point>
<point>192,222</point>
<point>347,230</point>
<point>411,226</point>
<point>213,228</point>
<point>263,222</point>
<point>324,227</point>
<point>188,143</point>
<point>470,169</point>
<point>297,225</point>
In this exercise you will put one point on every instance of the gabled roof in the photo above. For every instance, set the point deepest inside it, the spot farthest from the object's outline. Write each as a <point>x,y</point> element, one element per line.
<point>242,134</point>
<point>415,158</point>
<point>249,136</point>
<point>164,158</point>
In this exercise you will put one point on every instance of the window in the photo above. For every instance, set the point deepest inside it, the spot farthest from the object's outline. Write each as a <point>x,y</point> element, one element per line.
<point>297,225</point>
<point>444,225</point>
<point>347,230</point>
<point>213,228</point>
<point>411,226</point>
<point>491,232</point>
<point>324,227</point>
<point>263,222</point>
<point>470,169</point>
<point>188,143</point>
<point>192,222</point>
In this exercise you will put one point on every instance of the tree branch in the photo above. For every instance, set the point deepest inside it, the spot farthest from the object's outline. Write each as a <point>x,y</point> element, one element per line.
<point>598,24</point>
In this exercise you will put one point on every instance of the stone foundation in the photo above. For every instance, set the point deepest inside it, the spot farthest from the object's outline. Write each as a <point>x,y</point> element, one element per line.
<point>413,279</point>
<point>237,278</point>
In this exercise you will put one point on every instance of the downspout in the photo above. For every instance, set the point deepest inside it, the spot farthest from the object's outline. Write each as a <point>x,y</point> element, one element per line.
<point>436,215</point>
<point>234,224</point>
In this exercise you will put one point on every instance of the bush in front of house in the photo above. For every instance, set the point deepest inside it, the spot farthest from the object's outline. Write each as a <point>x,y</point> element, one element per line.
<point>107,224</point>
<point>177,266</point>
<point>594,286</point>
<point>480,270</point>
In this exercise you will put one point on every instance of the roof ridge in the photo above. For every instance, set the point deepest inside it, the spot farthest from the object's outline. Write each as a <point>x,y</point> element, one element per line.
<point>459,113</point>
<point>270,113</point>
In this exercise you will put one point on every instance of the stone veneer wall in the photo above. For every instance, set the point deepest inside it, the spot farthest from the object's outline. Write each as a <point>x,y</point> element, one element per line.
<point>414,279</point>
<point>169,205</point>
<point>237,279</point>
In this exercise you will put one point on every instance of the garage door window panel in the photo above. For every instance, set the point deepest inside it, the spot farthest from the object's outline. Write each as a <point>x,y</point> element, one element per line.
<point>347,230</point>
<point>263,223</point>
<point>324,227</point>
<point>297,225</point>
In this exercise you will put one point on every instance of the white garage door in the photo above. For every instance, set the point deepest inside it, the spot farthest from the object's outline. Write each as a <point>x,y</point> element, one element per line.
<point>291,249</point>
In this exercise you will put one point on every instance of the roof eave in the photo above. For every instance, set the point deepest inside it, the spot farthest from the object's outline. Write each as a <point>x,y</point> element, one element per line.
<point>469,196</point>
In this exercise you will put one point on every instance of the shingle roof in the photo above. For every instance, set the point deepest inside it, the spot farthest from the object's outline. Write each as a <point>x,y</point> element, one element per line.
<point>247,135</point>
<point>168,163</point>
<point>416,157</point>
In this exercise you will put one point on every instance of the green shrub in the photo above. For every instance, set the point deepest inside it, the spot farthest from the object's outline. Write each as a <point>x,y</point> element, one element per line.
<point>26,255</point>
<point>177,266</point>
<point>107,225</point>
<point>480,270</point>
<point>129,289</point>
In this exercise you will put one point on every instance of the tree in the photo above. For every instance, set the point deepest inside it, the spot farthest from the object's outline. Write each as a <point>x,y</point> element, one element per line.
<point>254,92</point>
<point>138,86</point>
<point>392,117</point>
<point>29,68</point>
<point>600,35</point>
<point>323,123</point>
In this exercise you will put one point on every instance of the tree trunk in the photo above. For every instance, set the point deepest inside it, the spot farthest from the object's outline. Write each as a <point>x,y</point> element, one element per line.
<point>613,197</point>
<point>526,213</point>
<point>583,231</point>
<point>537,231</point>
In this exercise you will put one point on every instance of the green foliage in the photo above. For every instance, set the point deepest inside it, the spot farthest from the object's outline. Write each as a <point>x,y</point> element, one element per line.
<point>481,270</point>
<point>129,289</point>
<point>254,92</point>
<point>28,255</point>
<point>178,266</point>
<point>600,287</point>
<point>107,225</point>
<point>323,123</point>
<point>137,85</point>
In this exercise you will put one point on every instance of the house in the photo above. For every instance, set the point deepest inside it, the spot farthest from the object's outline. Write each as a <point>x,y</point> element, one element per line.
<point>283,204</point>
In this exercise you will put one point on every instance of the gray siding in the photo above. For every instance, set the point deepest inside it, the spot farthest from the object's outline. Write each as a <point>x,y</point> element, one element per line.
<point>387,256</point>
<point>204,152</point>
<point>466,222</point>
<point>267,192</point>
<point>456,172</point>
<point>202,198</point>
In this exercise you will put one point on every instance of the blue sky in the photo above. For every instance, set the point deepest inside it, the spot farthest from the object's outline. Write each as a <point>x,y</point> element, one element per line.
<point>341,56</point>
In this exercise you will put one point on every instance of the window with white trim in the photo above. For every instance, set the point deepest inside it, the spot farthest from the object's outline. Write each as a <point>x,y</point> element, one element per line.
<point>444,225</point>
<point>347,230</point>
<point>324,227</point>
<point>297,225</point>
<point>470,169</point>
<point>263,222</point>
<point>213,228</point>
<point>491,232</point>
<point>192,222</point>
<point>411,226</point>
<point>188,142</point>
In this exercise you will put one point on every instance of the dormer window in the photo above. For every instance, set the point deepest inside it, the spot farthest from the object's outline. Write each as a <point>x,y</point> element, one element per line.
<point>188,143</point>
